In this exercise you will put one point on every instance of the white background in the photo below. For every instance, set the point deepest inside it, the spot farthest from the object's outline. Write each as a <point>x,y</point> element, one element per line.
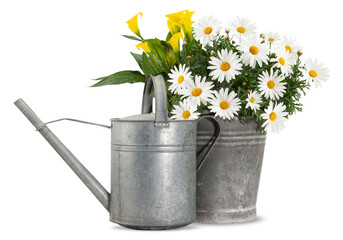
<point>50,51</point>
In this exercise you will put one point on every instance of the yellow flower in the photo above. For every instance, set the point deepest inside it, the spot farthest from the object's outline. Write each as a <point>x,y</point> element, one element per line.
<point>143,46</point>
<point>181,20</point>
<point>133,24</point>
<point>175,22</point>
<point>174,41</point>
<point>187,25</point>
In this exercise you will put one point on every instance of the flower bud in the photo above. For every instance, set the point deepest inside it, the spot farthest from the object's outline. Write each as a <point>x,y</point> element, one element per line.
<point>245,74</point>
<point>227,30</point>
<point>244,83</point>
<point>189,57</point>
<point>248,91</point>
<point>213,53</point>
<point>233,42</point>
<point>184,44</point>
<point>299,52</point>
<point>262,35</point>
<point>199,45</point>
<point>263,41</point>
<point>226,37</point>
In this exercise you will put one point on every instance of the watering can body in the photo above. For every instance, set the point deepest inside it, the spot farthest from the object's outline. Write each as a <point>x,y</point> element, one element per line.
<point>153,164</point>
<point>153,181</point>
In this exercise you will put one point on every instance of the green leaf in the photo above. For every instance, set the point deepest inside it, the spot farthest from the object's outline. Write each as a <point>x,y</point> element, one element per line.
<point>132,37</point>
<point>169,36</point>
<point>168,50</point>
<point>120,78</point>
<point>157,50</point>
<point>138,59</point>
<point>148,66</point>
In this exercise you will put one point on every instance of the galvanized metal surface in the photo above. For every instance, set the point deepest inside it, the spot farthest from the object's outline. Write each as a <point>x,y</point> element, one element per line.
<point>153,177</point>
<point>153,167</point>
<point>86,177</point>
<point>228,182</point>
<point>153,174</point>
<point>75,120</point>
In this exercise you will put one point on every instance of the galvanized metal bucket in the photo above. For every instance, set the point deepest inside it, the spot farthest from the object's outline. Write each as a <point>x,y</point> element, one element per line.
<point>153,165</point>
<point>228,182</point>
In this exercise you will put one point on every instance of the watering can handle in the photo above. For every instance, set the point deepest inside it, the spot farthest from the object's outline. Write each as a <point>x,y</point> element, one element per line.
<point>161,109</point>
<point>213,140</point>
<point>160,92</point>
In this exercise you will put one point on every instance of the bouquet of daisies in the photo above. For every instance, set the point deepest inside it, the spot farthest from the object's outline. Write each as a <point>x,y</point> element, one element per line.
<point>225,69</point>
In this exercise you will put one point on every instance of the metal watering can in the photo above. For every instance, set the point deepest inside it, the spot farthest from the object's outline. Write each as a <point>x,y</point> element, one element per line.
<point>153,164</point>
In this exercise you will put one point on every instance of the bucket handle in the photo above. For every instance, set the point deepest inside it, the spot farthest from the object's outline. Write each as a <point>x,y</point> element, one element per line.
<point>213,140</point>
<point>160,92</point>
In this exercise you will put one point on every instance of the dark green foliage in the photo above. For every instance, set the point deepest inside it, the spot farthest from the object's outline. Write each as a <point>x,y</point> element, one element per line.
<point>132,37</point>
<point>161,59</point>
<point>244,82</point>
<point>120,77</point>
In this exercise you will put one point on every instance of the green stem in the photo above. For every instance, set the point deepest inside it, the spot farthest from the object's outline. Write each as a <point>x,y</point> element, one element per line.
<point>243,95</point>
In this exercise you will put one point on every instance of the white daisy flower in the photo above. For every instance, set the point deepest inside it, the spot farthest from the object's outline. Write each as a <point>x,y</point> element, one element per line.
<point>185,111</point>
<point>254,51</point>
<point>253,101</point>
<point>289,44</point>
<point>272,38</point>
<point>315,72</point>
<point>275,117</point>
<point>284,62</point>
<point>178,78</point>
<point>271,85</point>
<point>241,27</point>
<point>198,91</point>
<point>225,105</point>
<point>226,66</point>
<point>206,29</point>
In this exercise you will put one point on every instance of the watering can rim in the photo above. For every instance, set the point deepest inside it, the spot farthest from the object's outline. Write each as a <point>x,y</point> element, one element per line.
<point>127,119</point>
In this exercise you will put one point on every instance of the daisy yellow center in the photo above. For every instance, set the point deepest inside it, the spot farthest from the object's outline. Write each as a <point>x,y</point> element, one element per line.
<point>251,100</point>
<point>225,66</point>
<point>270,84</point>
<point>241,29</point>
<point>224,105</point>
<point>312,73</point>
<point>196,92</point>
<point>253,50</point>
<point>288,48</point>
<point>180,79</point>
<point>186,114</point>
<point>282,61</point>
<point>271,39</point>
<point>272,116</point>
<point>208,30</point>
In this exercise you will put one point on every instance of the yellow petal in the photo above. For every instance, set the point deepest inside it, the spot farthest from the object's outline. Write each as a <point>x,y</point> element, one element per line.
<point>177,15</point>
<point>133,24</point>
<point>187,25</point>
<point>181,20</point>
<point>174,41</point>
<point>175,21</point>
<point>174,26</point>
<point>143,46</point>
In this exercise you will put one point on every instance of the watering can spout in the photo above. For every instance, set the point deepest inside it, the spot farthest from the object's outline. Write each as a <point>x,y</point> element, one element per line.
<point>86,177</point>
